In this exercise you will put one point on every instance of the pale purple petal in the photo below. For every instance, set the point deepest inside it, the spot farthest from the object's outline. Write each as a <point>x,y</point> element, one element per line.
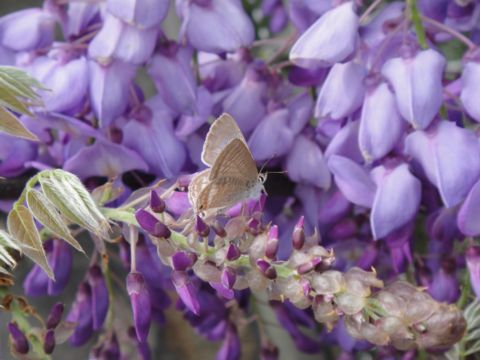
<point>381,126</point>
<point>332,38</point>
<point>109,89</point>
<point>154,139</point>
<point>305,163</point>
<point>122,41</point>
<point>417,82</point>
<point>104,159</point>
<point>449,157</point>
<point>470,94</point>
<point>300,112</point>
<point>345,143</point>
<point>467,219</point>
<point>396,201</point>
<point>272,137</point>
<point>342,92</point>
<point>353,180</point>
<point>216,26</point>
<point>141,13</point>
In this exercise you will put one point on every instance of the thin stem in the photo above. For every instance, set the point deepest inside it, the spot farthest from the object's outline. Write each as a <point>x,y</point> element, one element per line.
<point>133,248</point>
<point>415,16</point>
<point>369,10</point>
<point>288,42</point>
<point>145,196</point>
<point>469,43</point>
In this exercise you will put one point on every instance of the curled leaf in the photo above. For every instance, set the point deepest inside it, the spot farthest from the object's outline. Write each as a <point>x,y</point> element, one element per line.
<point>9,124</point>
<point>21,225</point>
<point>45,212</point>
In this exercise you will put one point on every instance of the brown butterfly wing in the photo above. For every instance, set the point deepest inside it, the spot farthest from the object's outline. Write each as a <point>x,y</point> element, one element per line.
<point>196,186</point>
<point>235,161</point>
<point>221,193</point>
<point>221,133</point>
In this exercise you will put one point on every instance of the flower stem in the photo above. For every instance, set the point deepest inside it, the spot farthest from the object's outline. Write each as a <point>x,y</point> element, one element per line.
<point>133,247</point>
<point>369,10</point>
<point>469,43</point>
<point>416,18</point>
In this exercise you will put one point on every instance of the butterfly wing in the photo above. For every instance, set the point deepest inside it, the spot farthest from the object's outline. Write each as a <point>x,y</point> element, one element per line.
<point>221,193</point>
<point>235,161</point>
<point>221,133</point>
<point>196,186</point>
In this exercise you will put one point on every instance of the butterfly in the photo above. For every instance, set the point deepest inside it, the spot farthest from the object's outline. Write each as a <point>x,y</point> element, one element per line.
<point>232,175</point>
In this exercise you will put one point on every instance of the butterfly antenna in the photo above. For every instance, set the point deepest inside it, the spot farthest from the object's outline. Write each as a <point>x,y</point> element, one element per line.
<point>266,162</point>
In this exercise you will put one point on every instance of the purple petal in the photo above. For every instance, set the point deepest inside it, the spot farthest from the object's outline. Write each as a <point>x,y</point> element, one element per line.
<point>109,86</point>
<point>178,203</point>
<point>342,92</point>
<point>104,159</point>
<point>300,109</point>
<point>381,126</point>
<point>141,13</point>
<point>470,89</point>
<point>417,83</point>
<point>472,256</point>
<point>153,138</point>
<point>14,153</point>
<point>79,16</point>
<point>122,41</point>
<point>100,298</point>
<point>374,33</point>
<point>353,180</point>
<point>396,201</point>
<point>186,290</point>
<point>306,77</point>
<point>467,219</point>
<point>305,163</point>
<point>141,304</point>
<point>203,23</point>
<point>60,258</point>
<point>231,346</point>
<point>345,143</point>
<point>27,29</point>
<point>272,137</point>
<point>246,102</point>
<point>171,71</point>
<point>304,13</point>
<point>329,40</point>
<point>448,156</point>
<point>81,314</point>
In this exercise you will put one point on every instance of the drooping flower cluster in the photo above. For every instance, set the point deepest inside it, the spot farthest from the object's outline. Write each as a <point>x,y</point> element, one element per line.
<point>363,104</point>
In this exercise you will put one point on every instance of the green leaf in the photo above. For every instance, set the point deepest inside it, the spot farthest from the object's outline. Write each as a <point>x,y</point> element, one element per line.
<point>69,195</point>
<point>7,241</point>
<point>9,124</point>
<point>45,212</point>
<point>9,100</point>
<point>22,227</point>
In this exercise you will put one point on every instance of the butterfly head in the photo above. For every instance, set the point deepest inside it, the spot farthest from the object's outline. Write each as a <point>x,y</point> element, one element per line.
<point>262,177</point>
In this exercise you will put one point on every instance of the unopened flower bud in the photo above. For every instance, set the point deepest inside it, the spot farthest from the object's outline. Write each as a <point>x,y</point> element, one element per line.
<point>182,260</point>
<point>81,314</point>
<point>308,266</point>
<point>271,247</point>
<point>228,277</point>
<point>151,224</point>
<point>233,252</point>
<point>269,351</point>
<point>100,298</point>
<point>186,290</point>
<point>141,304</point>
<point>49,341</point>
<point>254,226</point>
<point>55,315</point>
<point>156,202</point>
<point>201,227</point>
<point>219,229</point>
<point>267,269</point>
<point>298,236</point>
<point>18,338</point>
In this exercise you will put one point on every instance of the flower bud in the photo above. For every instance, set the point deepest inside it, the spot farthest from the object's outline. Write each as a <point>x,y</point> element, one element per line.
<point>233,252</point>
<point>151,224</point>
<point>141,304</point>
<point>49,341</point>
<point>269,351</point>
<point>18,338</point>
<point>201,227</point>
<point>182,260</point>
<point>254,226</point>
<point>55,315</point>
<point>219,229</point>
<point>100,298</point>
<point>231,347</point>
<point>298,236</point>
<point>267,269</point>
<point>186,290</point>
<point>81,314</point>
<point>271,246</point>
<point>156,202</point>
<point>228,277</point>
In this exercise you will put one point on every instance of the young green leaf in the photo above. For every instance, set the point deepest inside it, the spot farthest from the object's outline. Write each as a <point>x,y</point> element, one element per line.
<point>69,195</point>
<point>11,125</point>
<point>45,212</point>
<point>7,241</point>
<point>21,226</point>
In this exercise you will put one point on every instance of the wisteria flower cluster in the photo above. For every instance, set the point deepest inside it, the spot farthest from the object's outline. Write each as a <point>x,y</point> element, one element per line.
<point>364,114</point>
